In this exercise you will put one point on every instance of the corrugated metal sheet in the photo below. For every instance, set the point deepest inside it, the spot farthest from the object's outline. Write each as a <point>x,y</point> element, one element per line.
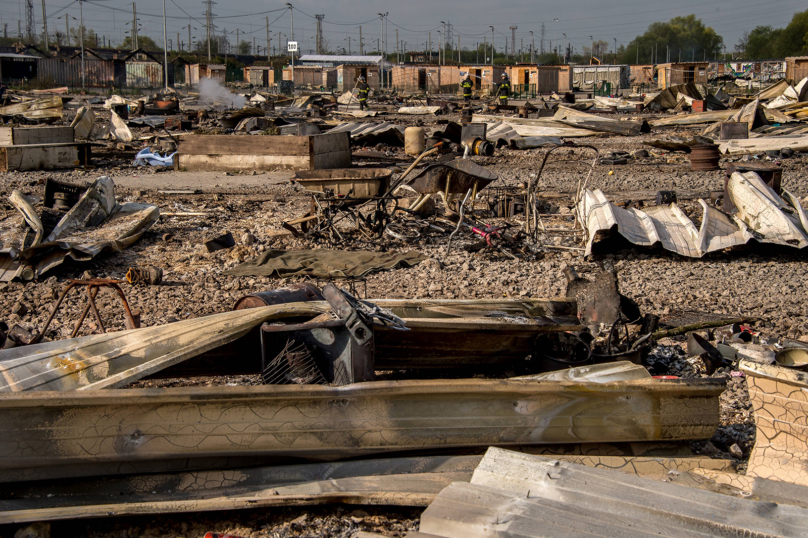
<point>586,77</point>
<point>340,59</point>
<point>144,75</point>
<point>67,72</point>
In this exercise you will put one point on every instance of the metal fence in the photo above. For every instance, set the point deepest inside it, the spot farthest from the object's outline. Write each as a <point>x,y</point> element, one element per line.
<point>102,73</point>
<point>67,72</point>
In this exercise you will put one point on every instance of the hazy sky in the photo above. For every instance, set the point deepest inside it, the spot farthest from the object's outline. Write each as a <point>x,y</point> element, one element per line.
<point>471,19</point>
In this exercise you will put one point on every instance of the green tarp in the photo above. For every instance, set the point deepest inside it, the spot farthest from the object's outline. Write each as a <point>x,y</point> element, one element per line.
<point>324,263</point>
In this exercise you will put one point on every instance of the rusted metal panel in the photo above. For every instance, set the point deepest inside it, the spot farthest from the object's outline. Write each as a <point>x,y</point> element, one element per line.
<point>68,72</point>
<point>72,432</point>
<point>144,75</point>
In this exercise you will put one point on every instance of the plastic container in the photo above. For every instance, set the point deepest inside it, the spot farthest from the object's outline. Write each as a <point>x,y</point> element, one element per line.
<point>414,140</point>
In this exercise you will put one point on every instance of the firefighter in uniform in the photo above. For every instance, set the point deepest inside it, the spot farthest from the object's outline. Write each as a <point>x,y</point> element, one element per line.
<point>467,85</point>
<point>363,93</point>
<point>504,90</point>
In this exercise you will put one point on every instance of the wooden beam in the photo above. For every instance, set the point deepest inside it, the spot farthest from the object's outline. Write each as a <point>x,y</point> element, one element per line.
<point>40,157</point>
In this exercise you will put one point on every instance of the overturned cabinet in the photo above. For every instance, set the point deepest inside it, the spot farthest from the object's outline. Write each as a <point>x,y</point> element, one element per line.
<point>325,350</point>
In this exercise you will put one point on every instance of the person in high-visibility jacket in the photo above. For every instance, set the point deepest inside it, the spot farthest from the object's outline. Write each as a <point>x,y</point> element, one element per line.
<point>363,93</point>
<point>467,85</point>
<point>504,90</point>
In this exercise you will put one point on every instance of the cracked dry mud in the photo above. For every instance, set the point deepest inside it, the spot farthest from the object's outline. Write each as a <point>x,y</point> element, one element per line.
<point>757,281</point>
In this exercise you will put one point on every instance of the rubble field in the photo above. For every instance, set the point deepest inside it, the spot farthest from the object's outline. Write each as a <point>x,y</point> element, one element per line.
<point>755,281</point>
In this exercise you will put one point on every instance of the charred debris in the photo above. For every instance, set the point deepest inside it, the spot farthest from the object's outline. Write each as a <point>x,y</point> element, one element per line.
<point>492,414</point>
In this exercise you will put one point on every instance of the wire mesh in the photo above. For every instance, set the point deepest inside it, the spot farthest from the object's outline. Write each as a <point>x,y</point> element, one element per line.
<point>294,365</point>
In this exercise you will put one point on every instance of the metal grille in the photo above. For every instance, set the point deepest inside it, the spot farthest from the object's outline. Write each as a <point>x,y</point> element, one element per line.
<point>294,365</point>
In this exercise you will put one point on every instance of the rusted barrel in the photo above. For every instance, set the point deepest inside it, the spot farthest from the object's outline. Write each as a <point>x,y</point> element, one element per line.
<point>704,158</point>
<point>294,293</point>
<point>639,107</point>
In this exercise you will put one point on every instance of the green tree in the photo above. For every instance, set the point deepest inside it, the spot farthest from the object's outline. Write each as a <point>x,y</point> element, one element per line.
<point>144,42</point>
<point>767,42</point>
<point>793,39</point>
<point>245,47</point>
<point>681,35</point>
<point>90,37</point>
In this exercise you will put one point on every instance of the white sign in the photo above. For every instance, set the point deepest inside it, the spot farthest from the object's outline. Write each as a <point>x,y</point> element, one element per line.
<point>292,46</point>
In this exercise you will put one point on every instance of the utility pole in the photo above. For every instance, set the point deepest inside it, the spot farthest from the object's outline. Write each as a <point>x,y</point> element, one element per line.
<point>319,44</point>
<point>254,49</point>
<point>615,51</point>
<point>564,59</point>
<point>555,37</point>
<point>45,25</point>
<point>443,42</point>
<point>542,38</point>
<point>67,30</point>
<point>209,21</point>
<point>165,47</point>
<point>398,48</point>
<point>522,48</point>
<point>430,47</point>
<point>238,41</point>
<point>485,49</point>
<point>189,36</point>
<point>361,43</point>
<point>292,38</point>
<point>81,33</point>
<point>268,44</point>
<point>30,22</point>
<point>349,45</point>
<point>458,50</point>
<point>492,47</point>
<point>513,40</point>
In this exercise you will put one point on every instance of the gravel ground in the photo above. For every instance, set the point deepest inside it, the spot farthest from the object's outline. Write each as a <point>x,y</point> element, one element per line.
<point>757,281</point>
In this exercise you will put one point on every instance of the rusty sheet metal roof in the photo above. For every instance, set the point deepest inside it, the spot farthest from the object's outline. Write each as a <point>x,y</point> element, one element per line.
<point>762,215</point>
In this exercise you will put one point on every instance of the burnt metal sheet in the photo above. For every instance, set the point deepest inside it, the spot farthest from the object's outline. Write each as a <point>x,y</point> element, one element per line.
<point>116,359</point>
<point>780,399</point>
<point>74,431</point>
<point>96,223</point>
<point>68,72</point>
<point>373,133</point>
<point>513,494</point>
<point>144,75</point>
<point>413,481</point>
<point>458,177</point>
<point>761,214</point>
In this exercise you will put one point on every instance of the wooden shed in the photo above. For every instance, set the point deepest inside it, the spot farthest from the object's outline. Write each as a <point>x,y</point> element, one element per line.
<point>348,73</point>
<point>564,78</point>
<point>673,74</point>
<point>486,77</point>
<point>195,72</point>
<point>311,76</point>
<point>259,75</point>
<point>796,68</point>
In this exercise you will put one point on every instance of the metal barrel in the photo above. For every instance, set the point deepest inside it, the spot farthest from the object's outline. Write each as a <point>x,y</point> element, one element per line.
<point>704,158</point>
<point>293,293</point>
